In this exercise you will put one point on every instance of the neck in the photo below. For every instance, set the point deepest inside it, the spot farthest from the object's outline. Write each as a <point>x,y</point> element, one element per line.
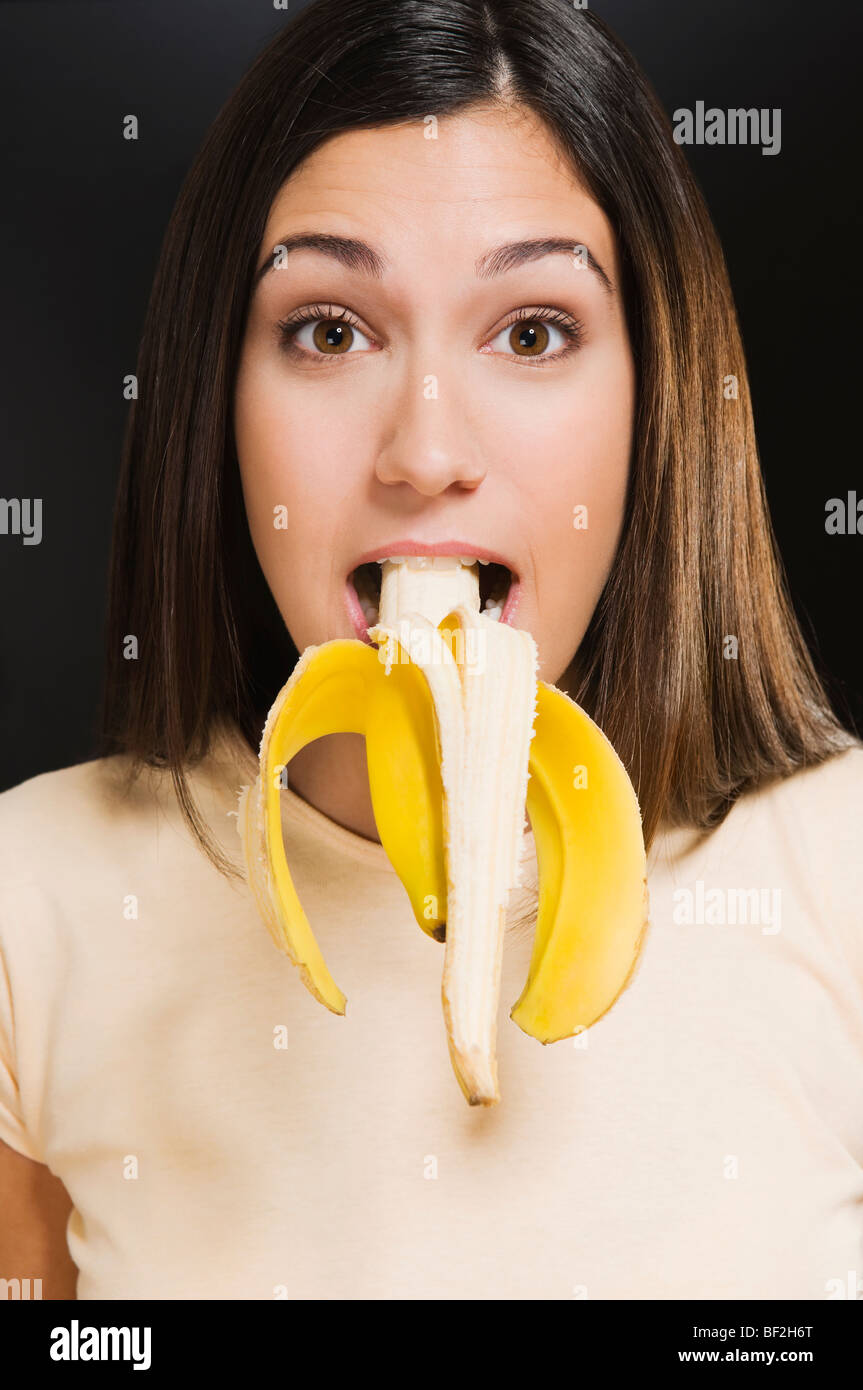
<point>330,774</point>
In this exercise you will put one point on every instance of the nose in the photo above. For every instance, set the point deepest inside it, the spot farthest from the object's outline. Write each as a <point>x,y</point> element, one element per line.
<point>430,446</point>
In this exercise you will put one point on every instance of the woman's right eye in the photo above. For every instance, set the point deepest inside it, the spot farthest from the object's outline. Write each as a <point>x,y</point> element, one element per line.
<point>318,333</point>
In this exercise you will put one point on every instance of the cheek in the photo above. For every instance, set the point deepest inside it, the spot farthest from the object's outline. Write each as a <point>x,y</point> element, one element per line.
<point>288,459</point>
<point>576,453</point>
<point>263,451</point>
<point>599,421</point>
<point>292,457</point>
<point>578,467</point>
<point>271,474</point>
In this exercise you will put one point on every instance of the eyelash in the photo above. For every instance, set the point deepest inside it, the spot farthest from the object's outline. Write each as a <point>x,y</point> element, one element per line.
<point>571,328</point>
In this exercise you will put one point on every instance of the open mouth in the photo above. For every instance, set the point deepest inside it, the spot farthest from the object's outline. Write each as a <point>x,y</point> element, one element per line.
<point>495,587</point>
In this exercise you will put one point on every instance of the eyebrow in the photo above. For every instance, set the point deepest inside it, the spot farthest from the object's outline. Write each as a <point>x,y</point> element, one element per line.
<point>359,256</point>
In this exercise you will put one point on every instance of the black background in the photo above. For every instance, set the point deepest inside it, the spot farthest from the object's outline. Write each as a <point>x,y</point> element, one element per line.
<point>85,212</point>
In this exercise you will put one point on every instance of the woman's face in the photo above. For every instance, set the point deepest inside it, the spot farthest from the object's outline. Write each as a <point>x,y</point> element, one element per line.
<point>431,416</point>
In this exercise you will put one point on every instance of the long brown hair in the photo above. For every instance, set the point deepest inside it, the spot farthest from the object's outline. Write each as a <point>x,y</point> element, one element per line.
<point>697,564</point>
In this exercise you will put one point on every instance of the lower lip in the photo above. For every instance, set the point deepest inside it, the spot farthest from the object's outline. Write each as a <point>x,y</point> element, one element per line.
<point>358,618</point>
<point>359,622</point>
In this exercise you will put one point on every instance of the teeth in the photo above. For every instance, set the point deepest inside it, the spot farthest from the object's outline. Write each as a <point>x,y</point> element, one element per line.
<point>438,562</point>
<point>452,565</point>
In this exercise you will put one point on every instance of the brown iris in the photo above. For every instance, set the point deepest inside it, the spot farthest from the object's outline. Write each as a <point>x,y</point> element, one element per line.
<point>332,337</point>
<point>528,337</point>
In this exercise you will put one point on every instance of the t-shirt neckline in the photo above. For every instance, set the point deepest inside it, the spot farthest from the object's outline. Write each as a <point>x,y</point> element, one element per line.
<point>339,836</point>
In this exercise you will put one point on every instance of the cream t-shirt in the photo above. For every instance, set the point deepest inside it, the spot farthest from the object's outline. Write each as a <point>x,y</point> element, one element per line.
<point>704,1139</point>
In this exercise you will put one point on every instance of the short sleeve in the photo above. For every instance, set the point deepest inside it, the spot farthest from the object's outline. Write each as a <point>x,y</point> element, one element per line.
<point>12,1128</point>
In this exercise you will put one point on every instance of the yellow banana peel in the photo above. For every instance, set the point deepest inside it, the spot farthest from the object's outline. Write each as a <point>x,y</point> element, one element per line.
<point>461,740</point>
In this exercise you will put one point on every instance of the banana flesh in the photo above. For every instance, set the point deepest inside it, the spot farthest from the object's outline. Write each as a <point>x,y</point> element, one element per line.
<point>461,740</point>
<point>426,585</point>
<point>485,699</point>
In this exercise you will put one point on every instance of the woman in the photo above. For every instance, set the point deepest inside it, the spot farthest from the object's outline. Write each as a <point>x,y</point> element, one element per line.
<point>482,205</point>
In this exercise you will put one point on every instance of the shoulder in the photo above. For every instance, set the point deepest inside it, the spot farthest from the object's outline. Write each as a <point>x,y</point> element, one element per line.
<point>66,832</point>
<point>821,804</point>
<point>821,809</point>
<point>841,775</point>
<point>62,815</point>
<point>59,827</point>
<point>815,813</point>
<point>825,801</point>
<point>51,792</point>
<point>805,832</point>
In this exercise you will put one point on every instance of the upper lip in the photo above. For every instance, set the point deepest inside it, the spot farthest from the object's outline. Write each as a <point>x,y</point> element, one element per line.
<point>448,547</point>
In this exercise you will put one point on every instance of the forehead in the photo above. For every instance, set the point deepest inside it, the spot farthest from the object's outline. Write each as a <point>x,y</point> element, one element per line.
<point>443,186</point>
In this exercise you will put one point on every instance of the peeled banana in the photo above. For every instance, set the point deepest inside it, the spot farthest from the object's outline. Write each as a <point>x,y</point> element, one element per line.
<point>462,739</point>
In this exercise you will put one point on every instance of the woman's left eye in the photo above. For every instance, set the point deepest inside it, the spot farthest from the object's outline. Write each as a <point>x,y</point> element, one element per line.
<point>530,332</point>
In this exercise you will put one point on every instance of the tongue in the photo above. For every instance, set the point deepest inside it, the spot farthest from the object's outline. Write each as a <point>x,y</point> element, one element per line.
<point>405,588</point>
